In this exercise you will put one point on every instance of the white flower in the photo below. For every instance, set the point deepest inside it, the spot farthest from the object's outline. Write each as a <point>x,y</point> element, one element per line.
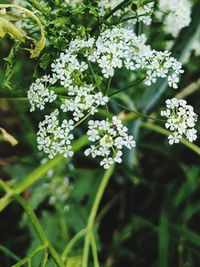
<point>109,138</point>
<point>174,138</point>
<point>86,101</point>
<point>53,138</point>
<point>144,12</point>
<point>106,162</point>
<point>119,47</point>
<point>117,157</point>
<point>181,119</point>
<point>141,13</point>
<point>175,15</point>
<point>39,94</point>
<point>191,134</point>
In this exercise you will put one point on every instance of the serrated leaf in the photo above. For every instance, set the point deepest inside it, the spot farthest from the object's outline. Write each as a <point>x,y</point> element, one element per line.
<point>45,59</point>
<point>10,64</point>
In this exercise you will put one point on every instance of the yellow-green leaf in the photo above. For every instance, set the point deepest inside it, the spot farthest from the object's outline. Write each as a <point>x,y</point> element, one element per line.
<point>7,27</point>
<point>8,137</point>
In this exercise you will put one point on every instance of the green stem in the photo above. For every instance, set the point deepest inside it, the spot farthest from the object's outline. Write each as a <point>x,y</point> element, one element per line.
<point>28,258</point>
<point>140,114</point>
<point>94,250</point>
<point>93,75</point>
<point>108,86</point>
<point>126,88</point>
<point>93,213</point>
<point>45,259</point>
<point>123,20</point>
<point>14,98</point>
<point>9,253</point>
<point>71,244</point>
<point>107,16</point>
<point>35,222</point>
<point>82,120</point>
<point>163,131</point>
<point>38,173</point>
<point>40,232</point>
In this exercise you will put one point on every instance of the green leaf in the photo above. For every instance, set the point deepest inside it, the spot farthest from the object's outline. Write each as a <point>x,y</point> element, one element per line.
<point>10,64</point>
<point>7,27</point>
<point>45,59</point>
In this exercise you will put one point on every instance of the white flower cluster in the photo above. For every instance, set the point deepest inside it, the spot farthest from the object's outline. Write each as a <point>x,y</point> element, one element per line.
<point>120,47</point>
<point>107,5</point>
<point>114,48</point>
<point>161,64</point>
<point>73,3</point>
<point>39,93</point>
<point>54,138</point>
<point>85,100</point>
<point>109,138</point>
<point>141,13</point>
<point>144,13</point>
<point>68,66</point>
<point>58,190</point>
<point>176,15</point>
<point>181,120</point>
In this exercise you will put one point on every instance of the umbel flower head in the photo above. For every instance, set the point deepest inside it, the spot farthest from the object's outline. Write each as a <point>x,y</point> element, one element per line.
<point>109,137</point>
<point>175,15</point>
<point>181,120</point>
<point>54,138</point>
<point>39,93</point>
<point>85,101</point>
<point>115,48</point>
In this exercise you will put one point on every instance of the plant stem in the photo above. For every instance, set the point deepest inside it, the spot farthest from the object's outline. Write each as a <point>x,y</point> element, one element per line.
<point>123,20</point>
<point>28,258</point>
<point>82,120</point>
<point>45,259</point>
<point>119,6</point>
<point>93,75</point>
<point>108,86</point>
<point>140,114</point>
<point>126,88</point>
<point>40,232</point>
<point>9,253</point>
<point>71,243</point>
<point>94,250</point>
<point>14,98</point>
<point>35,222</point>
<point>93,213</point>
<point>163,131</point>
<point>39,172</point>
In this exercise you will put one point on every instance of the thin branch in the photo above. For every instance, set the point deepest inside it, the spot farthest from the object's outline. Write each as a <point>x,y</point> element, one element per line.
<point>127,87</point>
<point>71,244</point>
<point>139,114</point>
<point>93,213</point>
<point>119,6</point>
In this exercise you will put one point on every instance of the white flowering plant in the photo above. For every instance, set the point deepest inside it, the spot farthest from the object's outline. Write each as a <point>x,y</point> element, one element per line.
<point>98,78</point>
